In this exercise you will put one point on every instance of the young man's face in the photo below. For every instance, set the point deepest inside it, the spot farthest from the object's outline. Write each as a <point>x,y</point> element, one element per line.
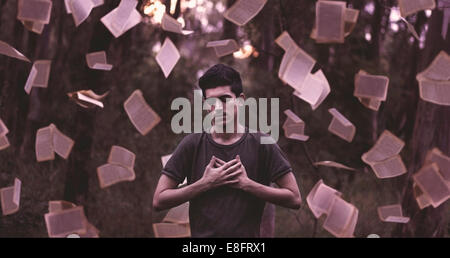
<point>226,102</point>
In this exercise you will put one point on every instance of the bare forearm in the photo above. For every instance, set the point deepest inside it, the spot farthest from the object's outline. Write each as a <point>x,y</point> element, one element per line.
<point>173,197</point>
<point>279,196</point>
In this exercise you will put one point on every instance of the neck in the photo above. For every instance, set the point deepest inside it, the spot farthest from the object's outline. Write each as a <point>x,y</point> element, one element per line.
<point>228,137</point>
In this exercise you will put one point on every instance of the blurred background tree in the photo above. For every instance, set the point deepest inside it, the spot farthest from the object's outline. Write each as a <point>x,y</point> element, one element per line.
<point>379,44</point>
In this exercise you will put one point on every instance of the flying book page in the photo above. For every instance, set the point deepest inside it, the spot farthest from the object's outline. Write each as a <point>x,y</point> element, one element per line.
<point>408,7</point>
<point>3,129</point>
<point>422,199</point>
<point>34,11</point>
<point>4,142</point>
<point>80,9</point>
<point>350,18</point>
<point>434,81</point>
<point>171,230</point>
<point>134,19</point>
<point>350,228</point>
<point>110,174</point>
<point>330,21</point>
<point>411,28</point>
<point>243,11</point>
<point>295,67</point>
<point>438,70</point>
<point>121,156</point>
<point>339,218</point>
<point>167,56</point>
<point>223,47</point>
<point>97,60</point>
<point>43,73</point>
<point>370,103</point>
<point>62,144</point>
<point>371,86</point>
<point>432,184</point>
<point>285,41</point>
<point>386,146</point>
<point>87,98</point>
<point>57,206</point>
<point>39,75</point>
<point>178,214</point>
<point>10,198</point>
<point>168,23</point>
<point>44,144</point>
<point>66,222</point>
<point>123,13</point>
<point>315,89</point>
<point>437,92</point>
<point>31,76</point>
<point>294,127</point>
<point>390,167</point>
<point>340,126</point>
<point>35,27</point>
<point>140,113</point>
<point>442,161</point>
<point>392,213</point>
<point>320,198</point>
<point>329,163</point>
<point>7,50</point>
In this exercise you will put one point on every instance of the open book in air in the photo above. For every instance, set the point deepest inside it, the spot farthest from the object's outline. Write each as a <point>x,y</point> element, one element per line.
<point>341,216</point>
<point>119,168</point>
<point>10,197</point>
<point>50,140</point>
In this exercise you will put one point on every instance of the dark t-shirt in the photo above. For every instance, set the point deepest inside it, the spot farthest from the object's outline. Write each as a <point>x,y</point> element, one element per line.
<point>226,211</point>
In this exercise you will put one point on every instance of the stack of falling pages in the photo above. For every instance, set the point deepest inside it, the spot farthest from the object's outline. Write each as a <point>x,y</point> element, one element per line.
<point>295,70</point>
<point>175,224</point>
<point>334,21</point>
<point>432,182</point>
<point>341,216</point>
<point>65,218</point>
<point>384,158</point>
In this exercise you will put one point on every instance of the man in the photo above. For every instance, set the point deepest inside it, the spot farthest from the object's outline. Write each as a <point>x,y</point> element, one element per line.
<point>228,173</point>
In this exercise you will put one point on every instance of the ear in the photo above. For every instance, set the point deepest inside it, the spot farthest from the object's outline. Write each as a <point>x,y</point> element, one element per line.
<point>242,95</point>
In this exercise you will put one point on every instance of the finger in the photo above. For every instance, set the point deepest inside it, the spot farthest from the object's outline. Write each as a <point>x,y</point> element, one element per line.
<point>238,158</point>
<point>212,161</point>
<point>232,175</point>
<point>232,168</point>
<point>231,182</point>
<point>220,161</point>
<point>229,163</point>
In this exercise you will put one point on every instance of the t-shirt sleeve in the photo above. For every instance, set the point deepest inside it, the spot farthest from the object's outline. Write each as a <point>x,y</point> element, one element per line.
<point>277,162</point>
<point>181,161</point>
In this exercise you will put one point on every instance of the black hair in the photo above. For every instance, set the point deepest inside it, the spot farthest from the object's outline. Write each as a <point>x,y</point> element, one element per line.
<point>221,75</point>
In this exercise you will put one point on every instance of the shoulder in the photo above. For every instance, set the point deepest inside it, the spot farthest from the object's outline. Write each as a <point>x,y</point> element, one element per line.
<point>256,137</point>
